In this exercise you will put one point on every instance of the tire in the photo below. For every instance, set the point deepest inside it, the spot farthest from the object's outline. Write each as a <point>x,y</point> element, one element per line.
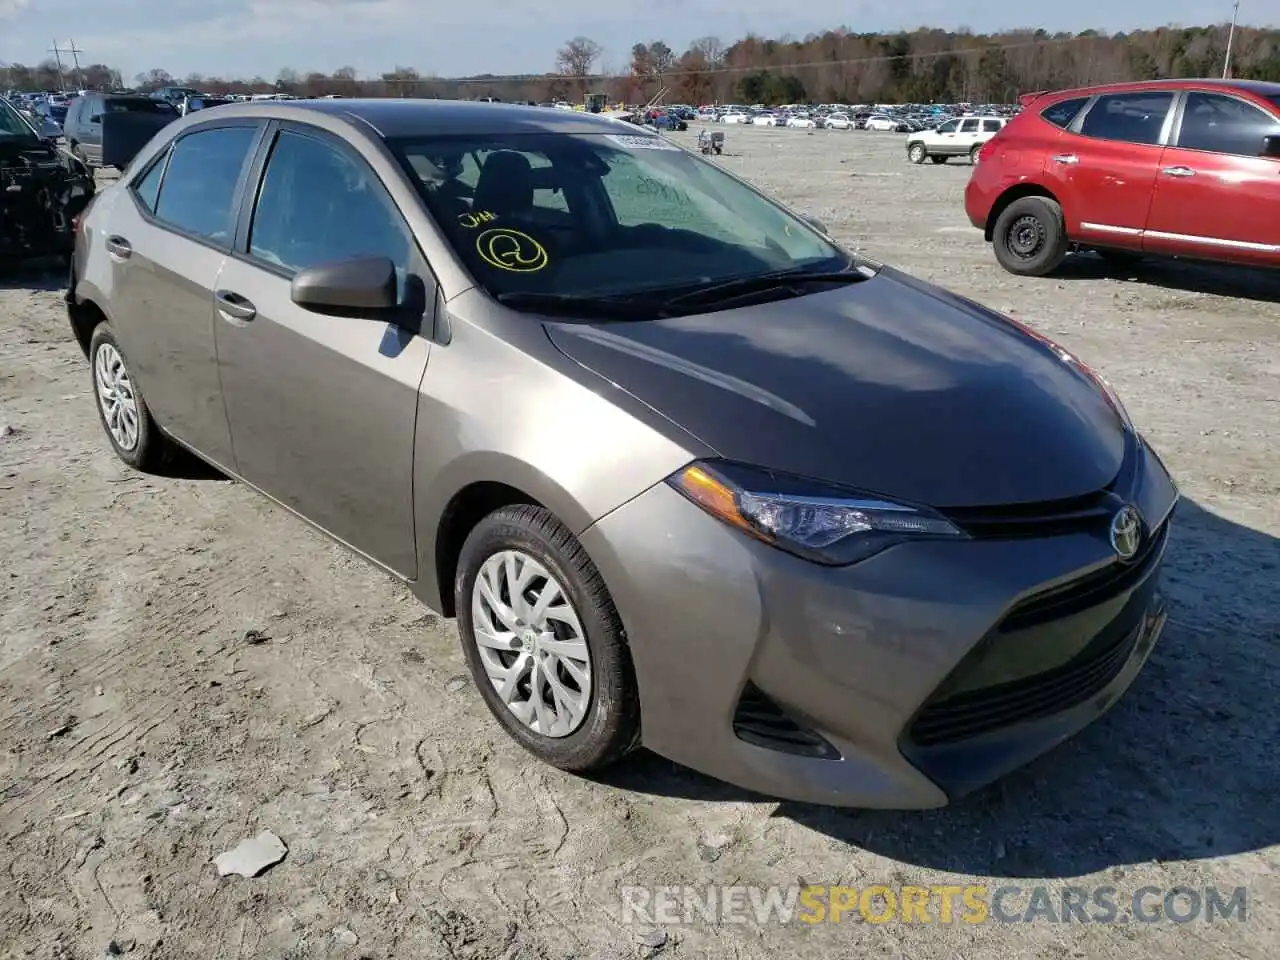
<point>149,448</point>
<point>609,725</point>
<point>1030,237</point>
<point>973,154</point>
<point>936,158</point>
<point>916,153</point>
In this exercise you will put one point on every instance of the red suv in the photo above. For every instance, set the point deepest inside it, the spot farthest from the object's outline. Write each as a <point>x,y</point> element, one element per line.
<point>1187,168</point>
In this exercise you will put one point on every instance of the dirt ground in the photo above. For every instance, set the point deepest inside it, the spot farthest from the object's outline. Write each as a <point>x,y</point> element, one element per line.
<point>141,735</point>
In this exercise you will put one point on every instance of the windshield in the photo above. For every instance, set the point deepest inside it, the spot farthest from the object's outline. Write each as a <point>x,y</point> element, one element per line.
<point>13,126</point>
<point>603,215</point>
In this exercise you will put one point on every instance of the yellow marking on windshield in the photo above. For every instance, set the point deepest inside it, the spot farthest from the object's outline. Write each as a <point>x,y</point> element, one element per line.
<point>511,250</point>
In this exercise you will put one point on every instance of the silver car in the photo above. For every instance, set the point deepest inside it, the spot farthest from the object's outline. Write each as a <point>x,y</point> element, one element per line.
<point>688,474</point>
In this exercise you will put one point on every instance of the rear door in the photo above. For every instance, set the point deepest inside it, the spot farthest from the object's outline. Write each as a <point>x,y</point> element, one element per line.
<point>1103,168</point>
<point>167,240</point>
<point>1216,195</point>
<point>968,135</point>
<point>322,407</point>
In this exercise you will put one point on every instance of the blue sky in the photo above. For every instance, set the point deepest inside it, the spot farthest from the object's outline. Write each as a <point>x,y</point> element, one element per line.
<point>247,37</point>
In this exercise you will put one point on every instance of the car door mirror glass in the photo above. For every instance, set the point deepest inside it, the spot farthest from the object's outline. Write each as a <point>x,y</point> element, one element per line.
<point>1271,146</point>
<point>358,286</point>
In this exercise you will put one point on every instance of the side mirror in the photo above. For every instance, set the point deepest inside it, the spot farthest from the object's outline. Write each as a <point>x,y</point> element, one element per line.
<point>816,224</point>
<point>361,286</point>
<point>1271,146</point>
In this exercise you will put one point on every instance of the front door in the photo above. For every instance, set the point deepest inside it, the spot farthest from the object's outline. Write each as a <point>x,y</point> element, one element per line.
<point>323,408</point>
<point>167,238</point>
<point>1216,195</point>
<point>1103,167</point>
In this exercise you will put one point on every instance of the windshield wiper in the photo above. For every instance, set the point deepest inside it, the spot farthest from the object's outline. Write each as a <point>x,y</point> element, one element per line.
<point>760,283</point>
<point>576,305</point>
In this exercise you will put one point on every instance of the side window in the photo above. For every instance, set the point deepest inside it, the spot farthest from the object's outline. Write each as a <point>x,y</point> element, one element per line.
<point>990,126</point>
<point>73,111</point>
<point>200,183</point>
<point>1223,124</point>
<point>147,187</point>
<point>969,126</point>
<point>1128,117</point>
<point>951,126</point>
<point>1061,114</point>
<point>318,205</point>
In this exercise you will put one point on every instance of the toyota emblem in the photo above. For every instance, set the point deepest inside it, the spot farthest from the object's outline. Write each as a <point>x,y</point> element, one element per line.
<point>1126,532</point>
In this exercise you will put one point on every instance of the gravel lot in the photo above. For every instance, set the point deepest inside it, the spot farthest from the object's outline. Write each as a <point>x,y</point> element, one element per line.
<point>141,735</point>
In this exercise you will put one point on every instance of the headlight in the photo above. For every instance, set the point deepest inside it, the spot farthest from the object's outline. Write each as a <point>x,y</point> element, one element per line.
<point>820,522</point>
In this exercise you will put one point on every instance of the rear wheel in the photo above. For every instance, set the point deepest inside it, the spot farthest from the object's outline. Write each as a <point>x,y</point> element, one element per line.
<point>128,423</point>
<point>1030,237</point>
<point>544,641</point>
<point>973,154</point>
<point>916,153</point>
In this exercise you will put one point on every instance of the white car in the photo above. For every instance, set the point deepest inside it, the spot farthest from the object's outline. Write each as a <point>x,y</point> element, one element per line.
<point>765,120</point>
<point>736,117</point>
<point>839,121</point>
<point>961,137</point>
<point>804,123</point>
<point>878,121</point>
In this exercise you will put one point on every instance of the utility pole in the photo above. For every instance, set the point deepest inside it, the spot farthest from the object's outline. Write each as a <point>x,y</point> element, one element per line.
<point>57,58</point>
<point>75,58</point>
<point>1231,35</point>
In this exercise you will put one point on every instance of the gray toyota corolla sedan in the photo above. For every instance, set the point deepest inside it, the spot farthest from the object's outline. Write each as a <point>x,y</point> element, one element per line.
<point>687,474</point>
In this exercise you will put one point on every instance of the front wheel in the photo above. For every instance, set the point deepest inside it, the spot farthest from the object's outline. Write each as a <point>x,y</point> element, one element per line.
<point>916,153</point>
<point>1030,237</point>
<point>544,641</point>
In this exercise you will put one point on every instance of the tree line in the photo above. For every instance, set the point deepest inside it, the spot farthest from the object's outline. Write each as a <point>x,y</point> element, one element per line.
<point>841,65</point>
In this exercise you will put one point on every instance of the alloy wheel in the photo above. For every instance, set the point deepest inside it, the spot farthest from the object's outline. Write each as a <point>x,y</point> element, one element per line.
<point>531,643</point>
<point>116,398</point>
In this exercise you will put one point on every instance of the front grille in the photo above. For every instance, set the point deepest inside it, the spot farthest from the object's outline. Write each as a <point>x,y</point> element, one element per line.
<point>1088,591</point>
<point>960,712</point>
<point>1046,519</point>
<point>762,723</point>
<point>971,714</point>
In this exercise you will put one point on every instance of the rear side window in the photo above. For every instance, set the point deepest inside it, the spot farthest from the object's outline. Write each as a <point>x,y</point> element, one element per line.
<point>200,181</point>
<point>990,126</point>
<point>1062,113</point>
<point>147,187</point>
<point>1128,117</point>
<point>1222,124</point>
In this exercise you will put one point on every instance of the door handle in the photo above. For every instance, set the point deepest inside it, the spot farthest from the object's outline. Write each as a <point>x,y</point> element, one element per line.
<point>1066,158</point>
<point>1178,171</point>
<point>119,247</point>
<point>235,307</point>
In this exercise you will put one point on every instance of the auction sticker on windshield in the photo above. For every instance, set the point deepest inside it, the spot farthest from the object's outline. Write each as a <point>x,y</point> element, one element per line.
<point>640,142</point>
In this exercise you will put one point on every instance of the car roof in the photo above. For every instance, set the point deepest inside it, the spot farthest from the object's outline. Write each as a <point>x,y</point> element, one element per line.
<point>1256,87</point>
<point>395,118</point>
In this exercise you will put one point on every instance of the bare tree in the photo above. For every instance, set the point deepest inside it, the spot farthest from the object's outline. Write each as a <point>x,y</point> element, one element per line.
<point>577,58</point>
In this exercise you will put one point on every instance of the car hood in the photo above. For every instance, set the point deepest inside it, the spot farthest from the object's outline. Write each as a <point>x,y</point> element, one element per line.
<point>889,385</point>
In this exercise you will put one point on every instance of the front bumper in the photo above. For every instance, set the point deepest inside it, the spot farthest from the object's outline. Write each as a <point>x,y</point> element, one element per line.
<point>901,682</point>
